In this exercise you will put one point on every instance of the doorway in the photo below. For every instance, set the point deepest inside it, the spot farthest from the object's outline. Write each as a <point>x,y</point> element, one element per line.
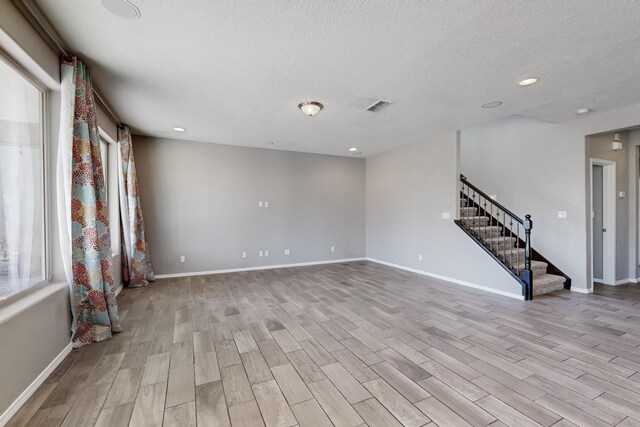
<point>603,221</point>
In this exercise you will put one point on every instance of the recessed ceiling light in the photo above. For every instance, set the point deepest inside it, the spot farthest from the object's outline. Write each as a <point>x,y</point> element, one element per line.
<point>528,81</point>
<point>178,129</point>
<point>310,108</point>
<point>492,104</point>
<point>352,149</point>
<point>122,8</point>
<point>583,111</point>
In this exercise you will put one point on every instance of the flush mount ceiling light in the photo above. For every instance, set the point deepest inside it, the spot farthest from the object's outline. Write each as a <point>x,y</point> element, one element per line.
<point>492,104</point>
<point>310,108</point>
<point>583,111</point>
<point>353,149</point>
<point>528,81</point>
<point>122,8</point>
<point>179,129</point>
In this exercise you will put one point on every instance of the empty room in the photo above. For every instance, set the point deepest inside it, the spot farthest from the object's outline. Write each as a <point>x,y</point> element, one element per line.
<point>301,213</point>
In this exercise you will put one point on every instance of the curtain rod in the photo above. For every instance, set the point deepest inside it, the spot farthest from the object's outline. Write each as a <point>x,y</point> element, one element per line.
<point>46,29</point>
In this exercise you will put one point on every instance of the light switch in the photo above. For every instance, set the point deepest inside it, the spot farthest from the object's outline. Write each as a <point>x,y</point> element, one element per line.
<point>244,254</point>
<point>446,215</point>
<point>622,194</point>
<point>260,204</point>
<point>287,251</point>
<point>260,253</point>
<point>266,204</point>
<point>419,257</point>
<point>562,214</point>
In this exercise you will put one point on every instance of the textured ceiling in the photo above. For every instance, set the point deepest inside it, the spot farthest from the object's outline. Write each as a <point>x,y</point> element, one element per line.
<point>233,72</point>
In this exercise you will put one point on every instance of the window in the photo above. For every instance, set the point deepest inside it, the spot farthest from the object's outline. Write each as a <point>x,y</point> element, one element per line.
<point>22,196</point>
<point>108,154</point>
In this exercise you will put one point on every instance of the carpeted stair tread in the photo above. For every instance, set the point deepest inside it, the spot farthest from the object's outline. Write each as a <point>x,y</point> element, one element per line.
<point>510,253</point>
<point>546,283</point>
<point>538,268</point>
<point>468,211</point>
<point>477,220</point>
<point>500,241</point>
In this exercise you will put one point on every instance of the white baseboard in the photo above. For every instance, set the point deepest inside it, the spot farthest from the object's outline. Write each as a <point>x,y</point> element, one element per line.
<point>119,289</point>
<point>625,281</point>
<point>581,290</point>
<point>262,267</point>
<point>25,395</point>
<point>597,280</point>
<point>448,279</point>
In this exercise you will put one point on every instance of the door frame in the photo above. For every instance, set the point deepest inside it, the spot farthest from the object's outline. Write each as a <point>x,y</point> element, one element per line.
<point>609,218</point>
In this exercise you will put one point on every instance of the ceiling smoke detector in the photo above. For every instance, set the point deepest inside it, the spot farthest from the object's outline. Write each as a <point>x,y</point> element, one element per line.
<point>492,104</point>
<point>377,106</point>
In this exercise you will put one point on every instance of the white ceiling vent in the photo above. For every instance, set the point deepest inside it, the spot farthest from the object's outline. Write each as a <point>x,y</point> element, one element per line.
<point>377,106</point>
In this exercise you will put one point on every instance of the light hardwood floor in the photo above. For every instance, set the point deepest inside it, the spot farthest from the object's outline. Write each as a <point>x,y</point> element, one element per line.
<point>351,344</point>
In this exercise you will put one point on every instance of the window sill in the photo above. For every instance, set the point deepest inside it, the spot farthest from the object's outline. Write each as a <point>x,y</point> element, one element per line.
<point>14,308</point>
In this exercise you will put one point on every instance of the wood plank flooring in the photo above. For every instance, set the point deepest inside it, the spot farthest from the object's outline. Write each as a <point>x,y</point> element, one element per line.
<point>350,345</point>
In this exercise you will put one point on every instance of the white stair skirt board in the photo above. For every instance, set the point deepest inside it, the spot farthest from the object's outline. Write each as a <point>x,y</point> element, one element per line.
<point>262,267</point>
<point>448,279</point>
<point>25,395</point>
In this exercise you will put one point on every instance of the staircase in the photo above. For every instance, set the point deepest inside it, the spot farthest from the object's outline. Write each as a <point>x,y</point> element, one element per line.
<point>507,238</point>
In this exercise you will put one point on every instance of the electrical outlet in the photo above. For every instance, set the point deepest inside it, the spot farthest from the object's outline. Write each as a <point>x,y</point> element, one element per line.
<point>244,254</point>
<point>446,215</point>
<point>333,248</point>
<point>287,251</point>
<point>260,253</point>
<point>266,204</point>
<point>419,257</point>
<point>266,253</point>
<point>182,258</point>
<point>260,204</point>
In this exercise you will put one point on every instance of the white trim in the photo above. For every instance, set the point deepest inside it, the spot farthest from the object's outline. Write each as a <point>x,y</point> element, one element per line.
<point>28,392</point>
<point>117,292</point>
<point>582,290</point>
<point>625,281</point>
<point>448,279</point>
<point>609,200</point>
<point>262,267</point>
<point>597,280</point>
<point>104,135</point>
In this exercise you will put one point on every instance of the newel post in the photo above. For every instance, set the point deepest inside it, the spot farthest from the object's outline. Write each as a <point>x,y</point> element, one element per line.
<point>528,274</point>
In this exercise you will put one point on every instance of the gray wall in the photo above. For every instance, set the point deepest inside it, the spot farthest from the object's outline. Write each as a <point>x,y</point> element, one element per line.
<point>35,329</point>
<point>408,188</point>
<point>599,147</point>
<point>540,168</point>
<point>200,200</point>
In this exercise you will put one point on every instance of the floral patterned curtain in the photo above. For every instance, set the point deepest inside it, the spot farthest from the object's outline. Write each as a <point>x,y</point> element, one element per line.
<point>93,297</point>
<point>136,262</point>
